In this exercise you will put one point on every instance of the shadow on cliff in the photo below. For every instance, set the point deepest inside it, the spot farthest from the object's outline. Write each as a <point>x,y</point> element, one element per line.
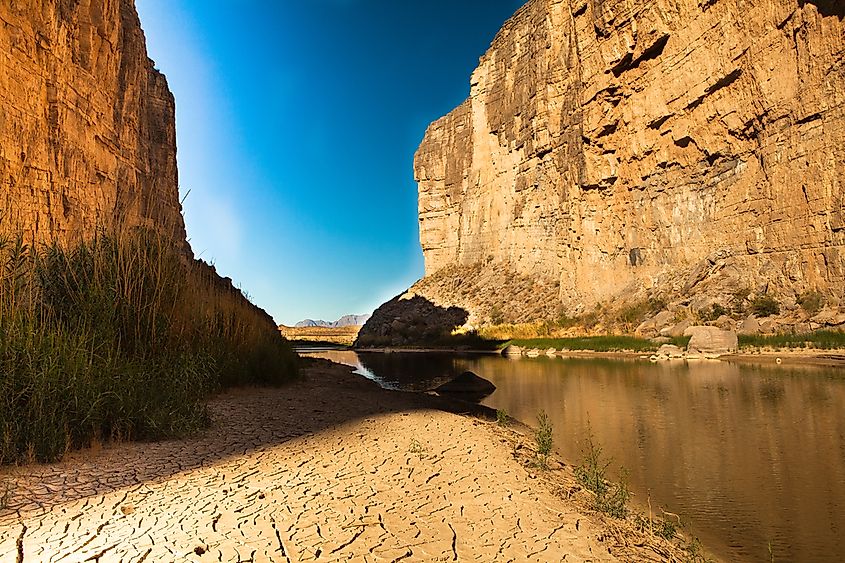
<point>417,322</point>
<point>827,7</point>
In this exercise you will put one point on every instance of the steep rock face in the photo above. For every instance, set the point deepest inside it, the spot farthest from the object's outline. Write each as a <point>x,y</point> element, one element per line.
<point>614,148</point>
<point>87,125</point>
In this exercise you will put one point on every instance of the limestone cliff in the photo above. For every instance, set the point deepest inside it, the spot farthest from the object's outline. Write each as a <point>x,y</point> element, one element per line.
<point>87,124</point>
<point>623,148</point>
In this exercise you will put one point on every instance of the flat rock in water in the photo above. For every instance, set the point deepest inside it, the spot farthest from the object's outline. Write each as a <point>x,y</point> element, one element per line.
<point>670,351</point>
<point>468,383</point>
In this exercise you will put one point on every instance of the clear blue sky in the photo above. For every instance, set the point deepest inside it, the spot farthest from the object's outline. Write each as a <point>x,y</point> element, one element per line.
<point>297,122</point>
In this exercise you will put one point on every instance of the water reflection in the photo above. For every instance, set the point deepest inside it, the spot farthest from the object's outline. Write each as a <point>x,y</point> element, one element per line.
<point>749,455</point>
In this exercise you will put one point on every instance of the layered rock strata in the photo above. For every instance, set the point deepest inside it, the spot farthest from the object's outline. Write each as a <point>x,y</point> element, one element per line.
<point>87,124</point>
<point>613,149</point>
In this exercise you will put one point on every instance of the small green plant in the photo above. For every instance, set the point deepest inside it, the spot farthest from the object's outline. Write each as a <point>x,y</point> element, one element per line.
<point>543,437</point>
<point>765,306</point>
<point>811,301</point>
<point>695,553</point>
<point>615,502</point>
<point>660,527</point>
<point>5,494</point>
<point>611,498</point>
<point>416,448</point>
<point>666,529</point>
<point>502,417</point>
<point>496,316</point>
<point>593,469</point>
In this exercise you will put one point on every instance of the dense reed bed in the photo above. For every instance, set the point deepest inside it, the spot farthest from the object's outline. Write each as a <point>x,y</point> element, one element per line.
<point>120,337</point>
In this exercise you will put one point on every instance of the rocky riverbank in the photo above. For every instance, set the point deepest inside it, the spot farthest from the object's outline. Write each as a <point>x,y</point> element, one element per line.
<point>329,467</point>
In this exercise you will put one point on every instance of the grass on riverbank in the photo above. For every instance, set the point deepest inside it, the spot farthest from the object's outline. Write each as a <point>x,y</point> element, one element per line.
<point>820,339</point>
<point>607,343</point>
<point>121,337</point>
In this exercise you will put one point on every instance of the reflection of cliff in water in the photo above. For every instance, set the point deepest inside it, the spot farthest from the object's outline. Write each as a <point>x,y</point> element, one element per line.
<point>411,371</point>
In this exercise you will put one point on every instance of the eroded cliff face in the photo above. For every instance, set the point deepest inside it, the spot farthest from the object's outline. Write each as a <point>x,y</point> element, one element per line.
<point>622,149</point>
<point>87,125</point>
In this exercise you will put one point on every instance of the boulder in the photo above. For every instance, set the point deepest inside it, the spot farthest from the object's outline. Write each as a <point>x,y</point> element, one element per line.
<point>671,351</point>
<point>711,340</point>
<point>749,326</point>
<point>467,386</point>
<point>676,330</point>
<point>724,322</point>
<point>652,326</point>
<point>551,352</point>
<point>512,351</point>
<point>829,317</point>
<point>533,353</point>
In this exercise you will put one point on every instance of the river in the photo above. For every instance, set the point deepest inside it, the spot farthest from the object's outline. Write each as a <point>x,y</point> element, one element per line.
<point>751,457</point>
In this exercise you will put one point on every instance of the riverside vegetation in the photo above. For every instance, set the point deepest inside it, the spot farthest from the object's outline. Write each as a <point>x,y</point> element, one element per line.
<point>120,337</point>
<point>611,329</point>
<point>613,498</point>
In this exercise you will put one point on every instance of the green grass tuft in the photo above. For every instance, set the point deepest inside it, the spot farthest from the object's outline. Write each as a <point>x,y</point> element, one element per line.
<point>502,417</point>
<point>821,339</point>
<point>610,498</point>
<point>595,343</point>
<point>543,437</point>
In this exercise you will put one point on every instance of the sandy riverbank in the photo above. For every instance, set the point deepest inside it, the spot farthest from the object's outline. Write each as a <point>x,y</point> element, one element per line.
<point>329,468</point>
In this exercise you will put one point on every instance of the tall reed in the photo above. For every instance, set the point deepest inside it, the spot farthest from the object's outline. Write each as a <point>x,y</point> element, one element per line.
<point>121,336</point>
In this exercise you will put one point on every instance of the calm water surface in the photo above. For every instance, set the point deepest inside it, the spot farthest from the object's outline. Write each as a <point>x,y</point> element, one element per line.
<point>747,455</point>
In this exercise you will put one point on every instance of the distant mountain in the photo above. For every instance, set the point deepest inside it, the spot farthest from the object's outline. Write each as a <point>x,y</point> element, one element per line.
<point>346,320</point>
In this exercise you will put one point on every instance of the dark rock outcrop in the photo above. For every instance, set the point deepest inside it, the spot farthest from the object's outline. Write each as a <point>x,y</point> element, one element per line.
<point>410,320</point>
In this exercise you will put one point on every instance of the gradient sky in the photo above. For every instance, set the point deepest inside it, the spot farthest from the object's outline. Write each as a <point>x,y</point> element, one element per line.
<point>297,122</point>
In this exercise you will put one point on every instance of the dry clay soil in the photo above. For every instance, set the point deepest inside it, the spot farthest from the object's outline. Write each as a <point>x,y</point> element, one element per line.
<point>329,468</point>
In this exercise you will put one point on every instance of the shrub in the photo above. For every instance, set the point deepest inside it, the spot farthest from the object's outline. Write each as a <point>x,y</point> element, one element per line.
<point>765,306</point>
<point>636,313</point>
<point>120,337</point>
<point>661,527</point>
<point>543,437</point>
<point>739,299</point>
<point>502,417</point>
<point>712,313</point>
<point>615,501</point>
<point>610,498</point>
<point>563,320</point>
<point>496,316</point>
<point>811,301</point>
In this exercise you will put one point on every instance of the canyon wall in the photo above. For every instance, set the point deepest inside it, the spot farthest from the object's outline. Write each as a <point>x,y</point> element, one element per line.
<point>623,149</point>
<point>87,124</point>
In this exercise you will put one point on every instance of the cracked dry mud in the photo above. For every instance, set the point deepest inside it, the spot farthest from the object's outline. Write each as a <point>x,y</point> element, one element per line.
<point>329,468</point>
